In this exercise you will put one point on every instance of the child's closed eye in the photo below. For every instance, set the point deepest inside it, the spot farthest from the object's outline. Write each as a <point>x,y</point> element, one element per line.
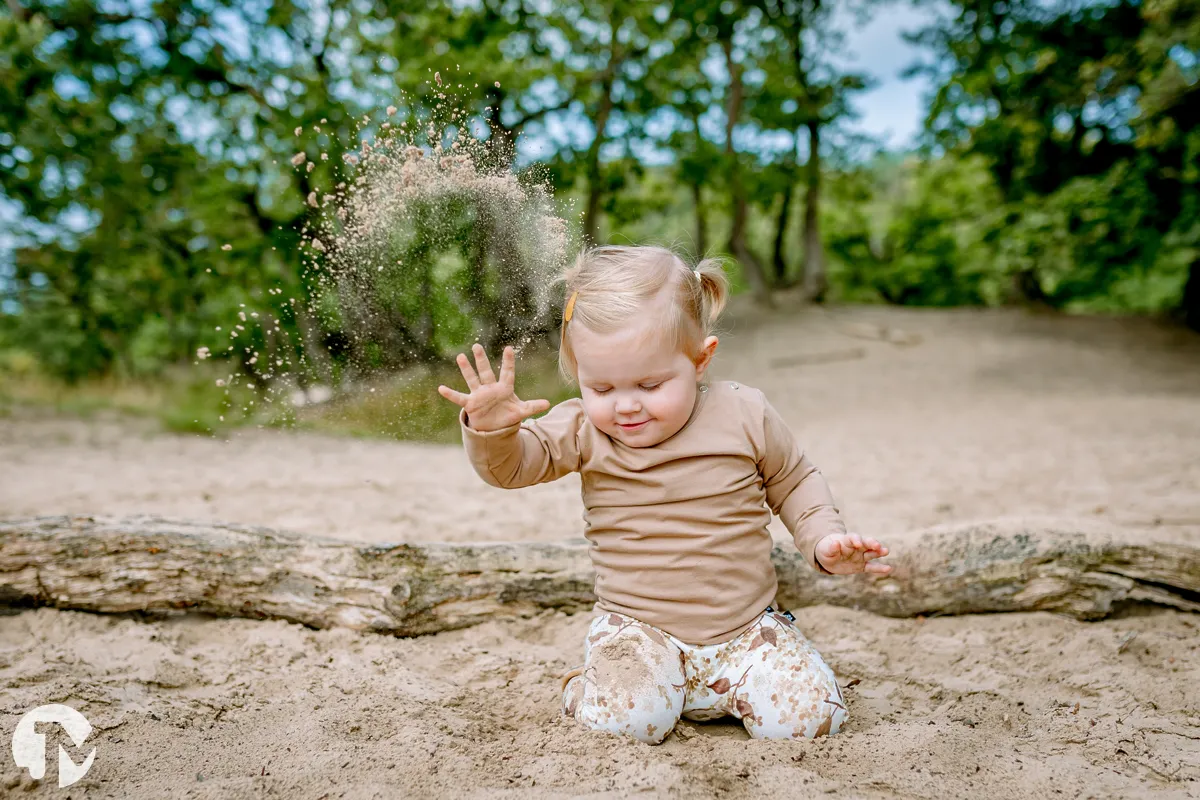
<point>645,387</point>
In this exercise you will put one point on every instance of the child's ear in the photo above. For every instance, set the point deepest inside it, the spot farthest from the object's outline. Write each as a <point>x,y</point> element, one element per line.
<point>707,351</point>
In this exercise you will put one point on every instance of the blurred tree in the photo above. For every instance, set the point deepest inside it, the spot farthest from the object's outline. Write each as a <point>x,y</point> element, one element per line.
<point>914,232</point>
<point>502,60</point>
<point>719,40</point>
<point>139,140</point>
<point>697,160</point>
<point>1170,49</point>
<point>728,21</point>
<point>778,83</point>
<point>610,40</point>
<point>805,94</point>
<point>1088,116</point>
<point>143,147</point>
<point>666,108</point>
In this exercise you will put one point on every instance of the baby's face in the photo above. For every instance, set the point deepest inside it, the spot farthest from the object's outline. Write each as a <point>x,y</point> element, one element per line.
<point>635,388</point>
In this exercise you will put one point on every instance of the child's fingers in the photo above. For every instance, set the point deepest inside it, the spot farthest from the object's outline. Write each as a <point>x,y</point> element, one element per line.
<point>458,398</point>
<point>536,406</point>
<point>508,366</point>
<point>483,365</point>
<point>855,541</point>
<point>464,366</point>
<point>871,544</point>
<point>877,569</point>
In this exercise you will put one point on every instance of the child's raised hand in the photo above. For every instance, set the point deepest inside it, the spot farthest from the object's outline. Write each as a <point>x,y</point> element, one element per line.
<point>493,403</point>
<point>847,553</point>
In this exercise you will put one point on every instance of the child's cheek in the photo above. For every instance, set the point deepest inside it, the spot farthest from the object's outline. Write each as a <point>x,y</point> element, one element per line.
<point>599,411</point>
<point>668,405</point>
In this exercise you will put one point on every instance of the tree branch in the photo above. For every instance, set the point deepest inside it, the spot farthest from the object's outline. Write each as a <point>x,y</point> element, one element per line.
<point>541,112</point>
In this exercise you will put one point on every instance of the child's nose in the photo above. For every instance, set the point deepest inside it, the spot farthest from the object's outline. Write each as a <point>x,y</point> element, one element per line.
<point>628,405</point>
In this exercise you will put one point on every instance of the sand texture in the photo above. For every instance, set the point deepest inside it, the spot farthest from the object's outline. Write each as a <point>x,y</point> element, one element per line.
<point>915,417</point>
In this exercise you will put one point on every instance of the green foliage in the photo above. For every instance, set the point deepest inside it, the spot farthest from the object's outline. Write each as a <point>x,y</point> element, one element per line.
<point>182,400</point>
<point>916,233</point>
<point>1088,118</point>
<point>407,406</point>
<point>137,140</point>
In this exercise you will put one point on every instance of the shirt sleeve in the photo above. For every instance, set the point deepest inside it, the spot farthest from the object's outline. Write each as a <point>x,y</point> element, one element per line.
<point>796,490</point>
<point>535,451</point>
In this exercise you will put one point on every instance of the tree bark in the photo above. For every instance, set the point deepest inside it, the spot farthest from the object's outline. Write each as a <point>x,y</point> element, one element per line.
<point>815,281</point>
<point>701,225</point>
<point>785,210</point>
<point>1190,305</point>
<point>595,190</point>
<point>148,564</point>
<point>697,186</point>
<point>753,269</point>
<point>1027,290</point>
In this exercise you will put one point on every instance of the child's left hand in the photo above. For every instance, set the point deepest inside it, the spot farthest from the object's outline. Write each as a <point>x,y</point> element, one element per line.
<point>847,553</point>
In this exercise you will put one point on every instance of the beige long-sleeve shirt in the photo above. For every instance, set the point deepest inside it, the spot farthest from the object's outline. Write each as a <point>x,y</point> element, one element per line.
<point>678,531</point>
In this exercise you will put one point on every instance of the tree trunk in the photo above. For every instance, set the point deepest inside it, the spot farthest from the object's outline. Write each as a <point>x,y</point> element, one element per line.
<point>1190,305</point>
<point>815,281</point>
<point>147,564</point>
<point>785,210</point>
<point>1027,289</point>
<point>592,209</point>
<point>701,225</point>
<point>697,186</point>
<point>751,266</point>
<point>595,190</point>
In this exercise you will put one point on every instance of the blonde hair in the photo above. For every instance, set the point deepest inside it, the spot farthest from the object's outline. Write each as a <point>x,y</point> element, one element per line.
<point>608,287</point>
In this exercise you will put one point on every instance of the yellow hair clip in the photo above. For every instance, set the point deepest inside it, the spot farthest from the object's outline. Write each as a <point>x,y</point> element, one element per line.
<point>567,312</point>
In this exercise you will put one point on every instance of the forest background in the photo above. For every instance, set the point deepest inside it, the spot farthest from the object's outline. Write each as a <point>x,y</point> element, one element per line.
<point>1059,167</point>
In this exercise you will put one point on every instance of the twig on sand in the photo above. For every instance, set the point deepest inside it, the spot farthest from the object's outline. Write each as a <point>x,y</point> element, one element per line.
<point>827,357</point>
<point>879,333</point>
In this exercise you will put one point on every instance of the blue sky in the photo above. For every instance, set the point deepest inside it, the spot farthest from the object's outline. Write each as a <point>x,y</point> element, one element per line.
<point>893,109</point>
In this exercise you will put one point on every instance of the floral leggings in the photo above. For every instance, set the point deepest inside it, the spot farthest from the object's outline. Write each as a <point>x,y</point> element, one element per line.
<point>639,680</point>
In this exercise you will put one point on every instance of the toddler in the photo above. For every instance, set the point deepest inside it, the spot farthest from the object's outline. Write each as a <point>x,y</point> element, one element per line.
<point>678,476</point>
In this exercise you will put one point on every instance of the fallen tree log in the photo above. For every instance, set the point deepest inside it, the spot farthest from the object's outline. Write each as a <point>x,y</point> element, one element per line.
<point>148,564</point>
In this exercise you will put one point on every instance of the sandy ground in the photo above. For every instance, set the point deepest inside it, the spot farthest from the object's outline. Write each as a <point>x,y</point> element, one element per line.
<point>988,414</point>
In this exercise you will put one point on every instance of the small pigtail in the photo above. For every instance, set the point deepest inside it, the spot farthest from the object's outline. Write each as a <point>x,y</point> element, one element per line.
<point>714,287</point>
